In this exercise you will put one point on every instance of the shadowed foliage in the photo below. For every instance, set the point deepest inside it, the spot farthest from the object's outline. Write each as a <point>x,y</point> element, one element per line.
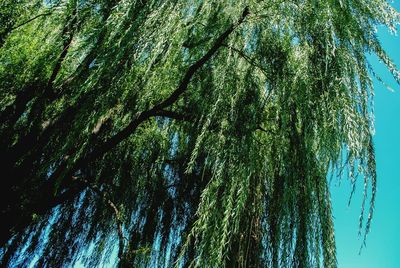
<point>190,133</point>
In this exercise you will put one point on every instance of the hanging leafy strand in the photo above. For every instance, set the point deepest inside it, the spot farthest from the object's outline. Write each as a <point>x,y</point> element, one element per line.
<point>190,133</point>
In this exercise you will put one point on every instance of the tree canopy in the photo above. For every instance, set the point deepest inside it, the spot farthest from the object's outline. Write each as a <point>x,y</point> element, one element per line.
<point>195,133</point>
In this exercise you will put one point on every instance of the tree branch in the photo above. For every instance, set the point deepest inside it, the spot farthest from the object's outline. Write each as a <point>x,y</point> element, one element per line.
<point>246,58</point>
<point>143,116</point>
<point>31,19</point>
<point>103,147</point>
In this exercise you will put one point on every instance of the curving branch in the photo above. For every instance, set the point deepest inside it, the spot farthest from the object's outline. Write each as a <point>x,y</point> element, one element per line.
<point>183,85</point>
<point>141,117</point>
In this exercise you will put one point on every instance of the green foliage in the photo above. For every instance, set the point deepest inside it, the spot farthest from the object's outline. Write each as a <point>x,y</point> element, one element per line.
<point>194,133</point>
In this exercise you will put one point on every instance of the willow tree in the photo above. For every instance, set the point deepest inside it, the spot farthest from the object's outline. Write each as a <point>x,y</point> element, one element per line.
<point>190,133</point>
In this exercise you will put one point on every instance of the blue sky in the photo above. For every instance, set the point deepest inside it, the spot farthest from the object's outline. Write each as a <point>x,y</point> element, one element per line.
<point>383,243</point>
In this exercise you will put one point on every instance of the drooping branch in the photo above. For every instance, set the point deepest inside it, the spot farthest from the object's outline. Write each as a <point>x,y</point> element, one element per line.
<point>143,116</point>
<point>113,208</point>
<point>68,35</point>
<point>198,64</point>
<point>246,58</point>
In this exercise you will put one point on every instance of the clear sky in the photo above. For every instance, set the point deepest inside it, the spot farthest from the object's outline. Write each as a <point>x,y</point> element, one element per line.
<point>383,243</point>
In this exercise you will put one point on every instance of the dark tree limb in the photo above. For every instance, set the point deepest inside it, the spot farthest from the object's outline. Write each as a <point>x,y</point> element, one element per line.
<point>183,85</point>
<point>31,19</point>
<point>141,117</point>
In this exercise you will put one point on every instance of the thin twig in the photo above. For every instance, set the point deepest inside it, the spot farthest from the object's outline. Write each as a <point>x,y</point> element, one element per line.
<point>114,209</point>
<point>31,19</point>
<point>247,58</point>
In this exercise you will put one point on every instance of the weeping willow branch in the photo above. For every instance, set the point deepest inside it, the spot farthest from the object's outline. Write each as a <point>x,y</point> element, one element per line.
<point>143,116</point>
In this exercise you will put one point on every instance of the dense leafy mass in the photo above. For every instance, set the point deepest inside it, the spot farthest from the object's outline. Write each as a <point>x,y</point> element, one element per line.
<point>183,132</point>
